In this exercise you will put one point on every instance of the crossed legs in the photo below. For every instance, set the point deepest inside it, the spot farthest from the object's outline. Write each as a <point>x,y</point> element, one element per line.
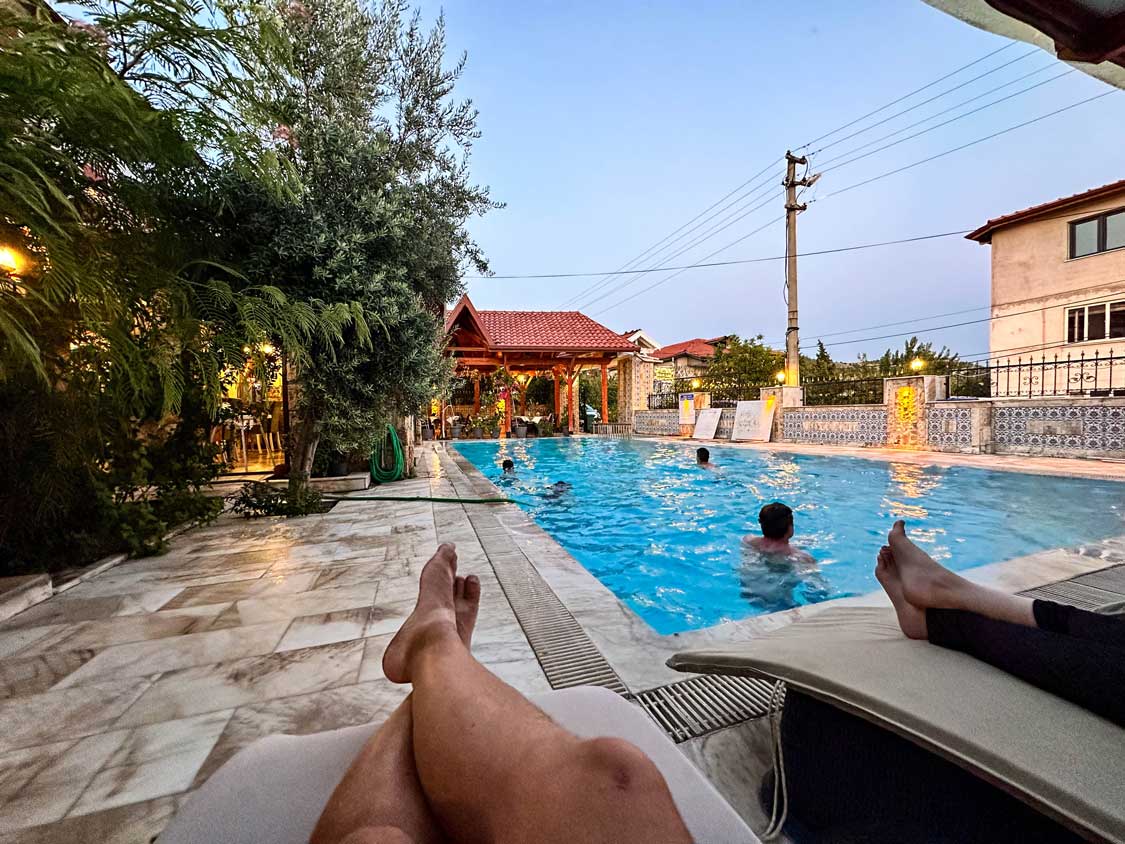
<point>468,757</point>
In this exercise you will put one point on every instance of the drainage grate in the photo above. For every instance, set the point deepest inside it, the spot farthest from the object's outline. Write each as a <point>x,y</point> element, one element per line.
<point>1075,594</point>
<point>691,708</point>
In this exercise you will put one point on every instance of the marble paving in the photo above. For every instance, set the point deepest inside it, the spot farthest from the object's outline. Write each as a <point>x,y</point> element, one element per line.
<point>122,694</point>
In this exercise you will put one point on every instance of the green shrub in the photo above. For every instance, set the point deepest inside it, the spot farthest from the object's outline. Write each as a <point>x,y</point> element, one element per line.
<point>262,499</point>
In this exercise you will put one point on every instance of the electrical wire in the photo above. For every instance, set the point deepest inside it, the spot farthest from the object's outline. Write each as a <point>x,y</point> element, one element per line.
<point>928,85</point>
<point>972,143</point>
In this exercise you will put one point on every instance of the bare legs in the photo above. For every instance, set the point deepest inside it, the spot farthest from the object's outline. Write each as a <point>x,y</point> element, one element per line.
<point>380,799</point>
<point>915,582</point>
<point>494,767</point>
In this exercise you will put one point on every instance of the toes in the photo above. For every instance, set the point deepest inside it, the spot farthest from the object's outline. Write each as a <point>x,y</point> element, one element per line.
<point>472,588</point>
<point>459,587</point>
<point>898,532</point>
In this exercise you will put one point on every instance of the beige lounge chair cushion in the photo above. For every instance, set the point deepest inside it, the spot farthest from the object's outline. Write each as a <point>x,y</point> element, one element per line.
<point>273,791</point>
<point>1058,757</point>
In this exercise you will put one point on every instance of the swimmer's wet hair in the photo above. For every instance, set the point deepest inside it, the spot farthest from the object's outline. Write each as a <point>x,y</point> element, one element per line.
<point>507,464</point>
<point>775,519</point>
<point>702,455</point>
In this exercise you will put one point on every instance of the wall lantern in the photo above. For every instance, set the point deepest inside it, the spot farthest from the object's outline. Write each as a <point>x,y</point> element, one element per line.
<point>696,383</point>
<point>917,365</point>
<point>780,377</point>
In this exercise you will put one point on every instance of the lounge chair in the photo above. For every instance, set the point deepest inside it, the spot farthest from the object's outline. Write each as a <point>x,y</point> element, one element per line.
<point>275,789</point>
<point>885,739</point>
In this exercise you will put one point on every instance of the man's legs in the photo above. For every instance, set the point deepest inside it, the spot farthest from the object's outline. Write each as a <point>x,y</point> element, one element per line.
<point>380,798</point>
<point>496,768</point>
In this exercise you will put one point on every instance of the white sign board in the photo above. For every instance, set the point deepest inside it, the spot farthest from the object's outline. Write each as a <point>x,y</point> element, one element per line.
<point>707,424</point>
<point>687,408</point>
<point>753,420</point>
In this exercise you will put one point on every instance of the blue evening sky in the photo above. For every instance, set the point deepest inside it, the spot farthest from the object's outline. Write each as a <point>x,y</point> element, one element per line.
<point>605,126</point>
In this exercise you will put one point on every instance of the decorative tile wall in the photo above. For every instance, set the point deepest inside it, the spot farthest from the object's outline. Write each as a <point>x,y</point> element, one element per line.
<point>835,425</point>
<point>949,428</point>
<point>1086,428</point>
<point>726,424</point>
<point>660,422</point>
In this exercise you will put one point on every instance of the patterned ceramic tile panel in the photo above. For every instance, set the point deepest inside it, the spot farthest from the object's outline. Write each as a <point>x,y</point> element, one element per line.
<point>726,424</point>
<point>666,422</point>
<point>836,425</point>
<point>1091,428</point>
<point>949,427</point>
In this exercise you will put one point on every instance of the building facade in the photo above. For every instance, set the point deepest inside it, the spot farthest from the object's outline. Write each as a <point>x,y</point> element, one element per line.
<point>1058,292</point>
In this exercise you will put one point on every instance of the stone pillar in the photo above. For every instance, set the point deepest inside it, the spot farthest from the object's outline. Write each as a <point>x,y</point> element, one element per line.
<point>783,397</point>
<point>605,394</point>
<point>906,399</point>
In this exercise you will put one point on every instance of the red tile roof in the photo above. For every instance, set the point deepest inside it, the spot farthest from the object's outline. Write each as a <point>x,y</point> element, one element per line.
<point>555,330</point>
<point>698,348</point>
<point>984,233</point>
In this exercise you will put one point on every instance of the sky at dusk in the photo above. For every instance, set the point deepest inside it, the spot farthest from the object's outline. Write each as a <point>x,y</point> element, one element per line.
<point>606,126</point>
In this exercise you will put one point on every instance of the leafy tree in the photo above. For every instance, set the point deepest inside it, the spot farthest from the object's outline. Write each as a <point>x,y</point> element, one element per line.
<point>820,368</point>
<point>376,224</point>
<point>740,364</point>
<point>897,362</point>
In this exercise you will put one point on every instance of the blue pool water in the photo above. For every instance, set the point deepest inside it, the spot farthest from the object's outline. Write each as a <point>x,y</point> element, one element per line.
<point>664,535</point>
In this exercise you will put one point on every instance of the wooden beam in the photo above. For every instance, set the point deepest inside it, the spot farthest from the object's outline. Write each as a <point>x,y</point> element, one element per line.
<point>605,394</point>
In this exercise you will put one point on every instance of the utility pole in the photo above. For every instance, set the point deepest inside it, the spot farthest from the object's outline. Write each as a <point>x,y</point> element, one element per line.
<point>792,209</point>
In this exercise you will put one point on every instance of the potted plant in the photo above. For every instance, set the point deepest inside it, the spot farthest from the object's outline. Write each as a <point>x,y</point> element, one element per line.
<point>546,429</point>
<point>478,428</point>
<point>457,428</point>
<point>520,428</point>
<point>427,430</point>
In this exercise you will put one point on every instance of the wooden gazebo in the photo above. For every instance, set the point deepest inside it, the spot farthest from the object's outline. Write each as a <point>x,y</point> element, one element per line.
<point>557,343</point>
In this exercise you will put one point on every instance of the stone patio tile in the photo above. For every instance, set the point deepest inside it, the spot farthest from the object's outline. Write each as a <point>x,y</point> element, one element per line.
<point>45,718</point>
<point>371,667</point>
<point>191,691</point>
<point>30,675</point>
<point>332,709</point>
<point>268,585</point>
<point>117,630</point>
<point>355,575</point>
<point>153,761</point>
<point>388,618</point>
<point>38,785</point>
<point>65,611</point>
<point>114,583</point>
<point>261,610</point>
<point>177,652</point>
<point>137,823</point>
<point>325,628</point>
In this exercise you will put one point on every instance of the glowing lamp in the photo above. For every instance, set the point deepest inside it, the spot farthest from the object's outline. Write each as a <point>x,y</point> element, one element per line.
<point>696,383</point>
<point>780,377</point>
<point>9,260</point>
<point>917,365</point>
<point>267,348</point>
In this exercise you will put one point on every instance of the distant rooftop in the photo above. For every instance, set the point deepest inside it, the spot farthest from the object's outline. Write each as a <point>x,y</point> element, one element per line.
<point>984,233</point>
<point>555,330</point>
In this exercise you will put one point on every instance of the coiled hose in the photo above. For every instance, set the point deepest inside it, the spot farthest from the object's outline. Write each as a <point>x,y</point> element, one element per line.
<point>378,473</point>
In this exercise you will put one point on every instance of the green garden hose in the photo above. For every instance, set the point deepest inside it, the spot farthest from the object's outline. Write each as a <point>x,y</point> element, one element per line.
<point>378,473</point>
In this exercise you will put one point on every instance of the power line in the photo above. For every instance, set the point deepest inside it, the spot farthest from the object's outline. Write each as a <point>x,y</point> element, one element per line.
<point>964,84</point>
<point>972,143</point>
<point>685,225</point>
<point>673,275</point>
<point>736,261</point>
<point>648,252</point>
<point>945,122</point>
<point>705,237</point>
<point>928,85</point>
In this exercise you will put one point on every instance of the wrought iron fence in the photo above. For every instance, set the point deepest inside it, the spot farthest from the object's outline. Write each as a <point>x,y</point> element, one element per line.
<point>1026,377</point>
<point>662,401</point>
<point>855,391</point>
<point>721,395</point>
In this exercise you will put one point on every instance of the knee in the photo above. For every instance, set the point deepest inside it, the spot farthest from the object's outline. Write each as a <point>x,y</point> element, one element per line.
<point>378,835</point>
<point>620,764</point>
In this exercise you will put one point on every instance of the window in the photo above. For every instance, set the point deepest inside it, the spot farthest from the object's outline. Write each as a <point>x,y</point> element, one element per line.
<point>1097,234</point>
<point>1104,321</point>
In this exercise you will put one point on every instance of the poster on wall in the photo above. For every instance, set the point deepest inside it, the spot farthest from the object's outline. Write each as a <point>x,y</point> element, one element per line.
<point>707,424</point>
<point>687,408</point>
<point>753,421</point>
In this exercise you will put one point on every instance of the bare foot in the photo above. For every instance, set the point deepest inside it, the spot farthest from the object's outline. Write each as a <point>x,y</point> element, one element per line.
<point>466,603</point>
<point>911,619</point>
<point>925,583</point>
<point>434,617</point>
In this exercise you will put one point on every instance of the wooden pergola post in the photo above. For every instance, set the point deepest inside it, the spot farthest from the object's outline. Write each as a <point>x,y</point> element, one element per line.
<point>523,395</point>
<point>476,392</point>
<point>572,398</point>
<point>605,393</point>
<point>558,398</point>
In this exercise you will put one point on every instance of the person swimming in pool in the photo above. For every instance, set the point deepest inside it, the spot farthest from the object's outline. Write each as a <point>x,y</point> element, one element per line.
<point>703,458</point>
<point>509,467</point>
<point>776,521</point>
<point>557,490</point>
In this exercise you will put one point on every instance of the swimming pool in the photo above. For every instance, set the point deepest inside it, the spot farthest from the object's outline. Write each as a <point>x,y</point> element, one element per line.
<point>665,536</point>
